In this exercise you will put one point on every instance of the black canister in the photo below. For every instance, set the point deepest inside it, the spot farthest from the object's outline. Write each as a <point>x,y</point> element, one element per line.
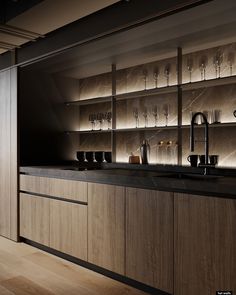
<point>145,152</point>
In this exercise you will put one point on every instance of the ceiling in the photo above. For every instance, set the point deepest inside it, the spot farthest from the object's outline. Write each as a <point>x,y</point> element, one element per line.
<point>23,21</point>
<point>205,26</point>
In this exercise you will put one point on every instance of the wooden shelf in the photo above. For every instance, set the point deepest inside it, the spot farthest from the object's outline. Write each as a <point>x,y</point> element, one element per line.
<point>144,93</point>
<point>89,101</point>
<point>209,83</point>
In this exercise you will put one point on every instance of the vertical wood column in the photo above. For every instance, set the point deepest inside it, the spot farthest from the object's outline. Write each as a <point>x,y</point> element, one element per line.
<point>8,154</point>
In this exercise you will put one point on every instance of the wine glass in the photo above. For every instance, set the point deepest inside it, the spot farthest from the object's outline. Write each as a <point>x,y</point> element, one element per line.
<point>156,76</point>
<point>155,114</point>
<point>202,67</point>
<point>231,58</point>
<point>167,73</point>
<point>100,118</point>
<point>217,61</point>
<point>190,68</point>
<point>145,74</point>
<point>166,112</point>
<point>145,115</point>
<point>109,118</point>
<point>136,116</point>
<point>92,121</point>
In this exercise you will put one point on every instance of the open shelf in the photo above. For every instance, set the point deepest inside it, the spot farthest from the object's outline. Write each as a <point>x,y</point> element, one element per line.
<point>89,101</point>
<point>209,83</point>
<point>90,131</point>
<point>147,92</point>
<point>146,128</point>
<point>231,124</point>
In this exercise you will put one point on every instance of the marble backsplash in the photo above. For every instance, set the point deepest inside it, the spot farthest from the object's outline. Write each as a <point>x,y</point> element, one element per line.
<point>163,145</point>
<point>203,65</point>
<point>222,98</point>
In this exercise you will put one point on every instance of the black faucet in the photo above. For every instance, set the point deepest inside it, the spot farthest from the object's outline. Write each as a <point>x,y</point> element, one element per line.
<point>206,140</point>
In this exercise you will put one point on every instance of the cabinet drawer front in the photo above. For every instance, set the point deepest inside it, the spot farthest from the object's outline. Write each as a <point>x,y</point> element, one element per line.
<point>61,188</point>
<point>68,228</point>
<point>34,218</point>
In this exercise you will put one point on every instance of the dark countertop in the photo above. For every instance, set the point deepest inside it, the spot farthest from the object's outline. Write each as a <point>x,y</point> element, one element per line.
<point>173,179</point>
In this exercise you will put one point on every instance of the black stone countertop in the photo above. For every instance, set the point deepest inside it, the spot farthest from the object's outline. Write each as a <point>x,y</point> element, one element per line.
<point>173,179</point>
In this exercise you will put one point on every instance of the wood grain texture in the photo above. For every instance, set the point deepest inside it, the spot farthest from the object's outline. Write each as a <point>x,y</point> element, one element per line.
<point>13,157</point>
<point>62,188</point>
<point>34,218</point>
<point>205,238</point>
<point>68,228</point>
<point>28,271</point>
<point>8,154</point>
<point>149,237</point>
<point>106,226</point>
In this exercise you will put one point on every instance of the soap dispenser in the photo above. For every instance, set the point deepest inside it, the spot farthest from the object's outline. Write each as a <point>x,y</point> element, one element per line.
<point>145,152</point>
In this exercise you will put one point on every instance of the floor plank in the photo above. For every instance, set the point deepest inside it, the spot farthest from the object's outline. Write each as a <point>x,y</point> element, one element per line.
<point>25,270</point>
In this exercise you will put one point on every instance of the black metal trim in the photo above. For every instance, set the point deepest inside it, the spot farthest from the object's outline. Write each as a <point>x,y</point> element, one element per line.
<point>98,269</point>
<point>54,198</point>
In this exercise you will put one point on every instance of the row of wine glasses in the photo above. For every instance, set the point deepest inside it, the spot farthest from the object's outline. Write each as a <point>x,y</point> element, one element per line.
<point>156,76</point>
<point>155,112</point>
<point>218,59</point>
<point>100,118</point>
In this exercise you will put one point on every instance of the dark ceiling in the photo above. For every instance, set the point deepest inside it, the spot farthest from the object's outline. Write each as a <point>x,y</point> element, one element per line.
<point>11,8</point>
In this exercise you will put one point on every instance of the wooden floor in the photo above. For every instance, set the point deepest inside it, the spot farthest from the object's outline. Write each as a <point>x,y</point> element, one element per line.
<point>25,270</point>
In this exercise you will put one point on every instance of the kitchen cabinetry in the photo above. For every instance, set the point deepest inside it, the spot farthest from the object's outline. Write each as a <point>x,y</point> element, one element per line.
<point>68,228</point>
<point>106,226</point>
<point>205,238</point>
<point>149,237</point>
<point>8,154</point>
<point>34,218</point>
<point>58,223</point>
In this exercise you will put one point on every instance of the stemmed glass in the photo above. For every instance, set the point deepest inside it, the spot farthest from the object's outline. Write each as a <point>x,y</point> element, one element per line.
<point>108,118</point>
<point>100,118</point>
<point>145,74</point>
<point>202,67</point>
<point>231,58</point>
<point>136,116</point>
<point>166,112</point>
<point>167,74</point>
<point>218,59</point>
<point>190,68</point>
<point>156,76</point>
<point>92,120</point>
<point>155,113</point>
<point>145,115</point>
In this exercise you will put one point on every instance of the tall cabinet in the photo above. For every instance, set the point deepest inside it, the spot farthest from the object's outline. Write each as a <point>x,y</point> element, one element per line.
<point>8,153</point>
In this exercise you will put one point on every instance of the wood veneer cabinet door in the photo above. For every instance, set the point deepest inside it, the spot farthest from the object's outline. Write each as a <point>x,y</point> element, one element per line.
<point>68,228</point>
<point>34,218</point>
<point>8,154</point>
<point>106,226</point>
<point>205,239</point>
<point>149,237</point>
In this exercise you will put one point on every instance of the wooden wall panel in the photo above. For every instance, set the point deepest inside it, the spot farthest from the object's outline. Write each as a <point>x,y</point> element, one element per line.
<point>8,153</point>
